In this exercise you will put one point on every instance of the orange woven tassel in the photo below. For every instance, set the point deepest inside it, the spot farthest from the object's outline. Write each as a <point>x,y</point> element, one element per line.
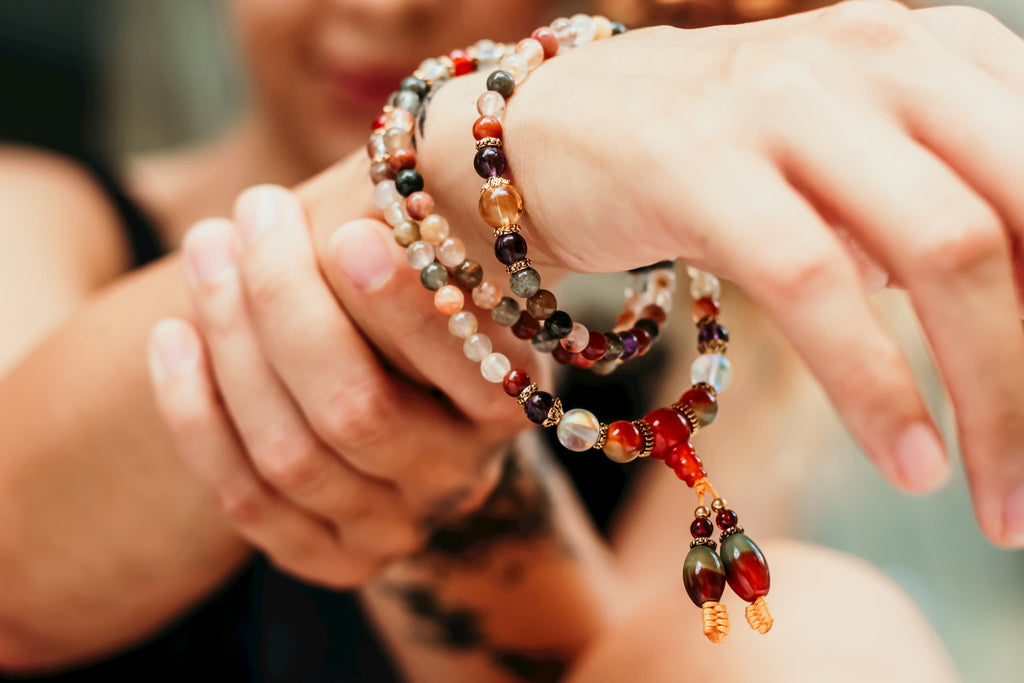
<point>716,621</point>
<point>758,616</point>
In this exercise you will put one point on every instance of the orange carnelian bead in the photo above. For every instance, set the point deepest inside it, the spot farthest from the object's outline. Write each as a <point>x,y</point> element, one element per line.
<point>449,299</point>
<point>655,313</point>
<point>704,308</point>
<point>401,159</point>
<point>462,61</point>
<point>501,206</point>
<point>487,127</point>
<point>685,463</point>
<point>625,442</point>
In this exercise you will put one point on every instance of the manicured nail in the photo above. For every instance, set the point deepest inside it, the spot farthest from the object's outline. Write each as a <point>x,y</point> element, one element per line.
<point>209,250</point>
<point>258,211</point>
<point>921,459</point>
<point>173,348</point>
<point>1014,513</point>
<point>363,255</point>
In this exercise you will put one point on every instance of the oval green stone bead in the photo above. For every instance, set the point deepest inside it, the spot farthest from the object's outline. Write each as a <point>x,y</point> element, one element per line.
<point>745,567</point>
<point>703,575</point>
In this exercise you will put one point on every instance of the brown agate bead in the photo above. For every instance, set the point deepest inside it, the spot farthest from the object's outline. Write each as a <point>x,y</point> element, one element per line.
<point>469,274</point>
<point>401,159</point>
<point>703,575</point>
<point>542,304</point>
<point>704,308</point>
<point>487,127</point>
<point>745,567</point>
<point>515,381</point>
<point>624,443</point>
<point>501,206</point>
<point>703,403</point>
<point>419,205</point>
<point>525,327</point>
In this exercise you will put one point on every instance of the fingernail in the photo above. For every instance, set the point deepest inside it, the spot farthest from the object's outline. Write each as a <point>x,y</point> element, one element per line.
<point>363,255</point>
<point>921,459</point>
<point>1014,521</point>
<point>209,252</point>
<point>258,210</point>
<point>173,348</point>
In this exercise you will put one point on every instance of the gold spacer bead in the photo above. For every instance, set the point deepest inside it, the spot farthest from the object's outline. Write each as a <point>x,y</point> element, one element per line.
<point>691,417</point>
<point>518,266</point>
<point>729,532</point>
<point>602,437</point>
<point>380,159</point>
<point>488,142</point>
<point>706,387</point>
<point>507,230</point>
<point>526,393</point>
<point>448,64</point>
<point>496,181</point>
<point>554,415</point>
<point>718,504</point>
<point>648,434</point>
<point>713,346</point>
<point>702,511</point>
<point>703,541</point>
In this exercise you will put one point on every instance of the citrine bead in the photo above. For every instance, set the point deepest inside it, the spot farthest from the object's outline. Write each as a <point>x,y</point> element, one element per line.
<point>703,575</point>
<point>669,428</point>
<point>745,567</point>
<point>624,443</point>
<point>500,206</point>
<point>487,127</point>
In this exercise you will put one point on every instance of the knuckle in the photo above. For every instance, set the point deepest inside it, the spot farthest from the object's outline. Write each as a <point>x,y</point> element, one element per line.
<point>801,271</point>
<point>243,505</point>
<point>762,73</point>
<point>265,286</point>
<point>962,242</point>
<point>356,417</point>
<point>292,464</point>
<point>871,22</point>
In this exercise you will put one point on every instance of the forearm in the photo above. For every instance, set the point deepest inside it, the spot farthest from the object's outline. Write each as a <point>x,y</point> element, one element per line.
<point>515,592</point>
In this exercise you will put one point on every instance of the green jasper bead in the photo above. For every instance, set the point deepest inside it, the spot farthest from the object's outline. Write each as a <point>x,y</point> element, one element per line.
<point>745,567</point>
<point>703,575</point>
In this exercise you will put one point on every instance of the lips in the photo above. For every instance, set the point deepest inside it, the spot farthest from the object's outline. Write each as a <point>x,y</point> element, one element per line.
<point>366,85</point>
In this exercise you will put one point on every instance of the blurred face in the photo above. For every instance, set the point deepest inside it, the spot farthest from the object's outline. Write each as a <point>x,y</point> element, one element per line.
<point>322,69</point>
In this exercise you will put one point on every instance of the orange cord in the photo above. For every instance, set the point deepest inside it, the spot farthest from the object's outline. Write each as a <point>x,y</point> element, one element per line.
<point>703,488</point>
<point>758,616</point>
<point>716,621</point>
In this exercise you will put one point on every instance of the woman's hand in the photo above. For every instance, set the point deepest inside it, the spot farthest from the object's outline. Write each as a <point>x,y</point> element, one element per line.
<point>741,148</point>
<point>324,454</point>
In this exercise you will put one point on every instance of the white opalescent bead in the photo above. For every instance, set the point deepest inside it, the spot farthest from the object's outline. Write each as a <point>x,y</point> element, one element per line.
<point>451,252</point>
<point>579,430</point>
<point>585,28</point>
<point>420,254</point>
<point>713,369</point>
<point>487,51</point>
<point>477,347</point>
<point>495,367</point>
<point>462,324</point>
<point>385,194</point>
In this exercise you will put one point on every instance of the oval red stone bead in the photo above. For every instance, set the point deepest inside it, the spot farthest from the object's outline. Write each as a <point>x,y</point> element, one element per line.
<point>487,127</point>
<point>515,381</point>
<point>462,61</point>
<point>596,347</point>
<point>745,567</point>
<point>548,40</point>
<point>669,427</point>
<point>703,575</point>
<point>685,462</point>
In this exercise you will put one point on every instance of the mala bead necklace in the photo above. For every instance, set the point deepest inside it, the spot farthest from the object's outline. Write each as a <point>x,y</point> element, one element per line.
<point>663,433</point>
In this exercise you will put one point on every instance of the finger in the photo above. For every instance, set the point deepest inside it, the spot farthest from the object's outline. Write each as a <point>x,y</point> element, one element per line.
<point>381,425</point>
<point>298,542</point>
<point>283,449</point>
<point>803,277</point>
<point>950,250</point>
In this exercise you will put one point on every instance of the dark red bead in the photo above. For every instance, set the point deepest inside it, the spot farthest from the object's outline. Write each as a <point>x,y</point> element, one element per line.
<point>670,428</point>
<point>490,162</point>
<point>596,347</point>
<point>487,127</point>
<point>538,406</point>
<point>563,355</point>
<point>515,381</point>
<point>548,39</point>
<point>685,462</point>
<point>703,403</point>
<point>525,327</point>
<point>702,527</point>
<point>703,575</point>
<point>379,122</point>
<point>643,340</point>
<point>463,62</point>
<point>726,519</point>
<point>655,313</point>
<point>582,362</point>
<point>509,249</point>
<point>745,567</point>
<point>704,308</point>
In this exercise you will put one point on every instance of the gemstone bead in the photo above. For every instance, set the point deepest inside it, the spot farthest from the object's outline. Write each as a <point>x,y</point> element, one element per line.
<point>419,205</point>
<point>648,326</point>
<point>486,295</point>
<point>542,304</point>
<point>701,528</point>
<point>407,102</point>
<point>704,285</point>
<point>577,339</point>
<point>395,214</point>
<point>408,181</point>
<point>397,138</point>
<point>685,462</point>
<point>625,442</point>
<point>726,519</point>
<point>618,28</point>
<point>579,430</point>
<point>525,327</point>
<point>705,307</point>
<point>655,313</point>
<point>524,283</point>
<point>462,62</point>
<point>501,82</point>
<point>703,575</point>
<point>401,160</point>
<point>585,28</point>
<point>375,147</point>
<point>515,381</point>
<point>449,299</point>
<point>543,342</point>
<point>378,123</point>
<point>558,324</point>
<point>548,40</point>
<point>506,312</point>
<point>643,340</point>
<point>565,31</point>
<point>406,233</point>
<point>451,252</point>
<point>490,162</point>
<point>400,117</point>
<point>745,567</point>
<point>487,127</point>
<point>703,403</point>
<point>532,51</point>
<point>563,355</point>
<point>669,428</point>
<point>477,347</point>
<point>509,249</point>
<point>516,66</point>
<point>414,85</point>
<point>379,172</point>
<point>615,346</point>
<point>494,367</point>
<point>582,363</point>
<point>712,369</point>
<point>597,344</point>
<point>463,324</point>
<point>432,69</point>
<point>487,51</point>
<point>500,206</point>
<point>420,255</point>
<point>434,229</point>
<point>469,274</point>
<point>385,194</point>
<point>434,276</point>
<point>630,345</point>
<point>490,104</point>
<point>538,406</point>
<point>602,28</point>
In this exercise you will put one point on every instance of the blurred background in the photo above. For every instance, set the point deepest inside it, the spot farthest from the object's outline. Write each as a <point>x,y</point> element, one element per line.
<point>116,78</point>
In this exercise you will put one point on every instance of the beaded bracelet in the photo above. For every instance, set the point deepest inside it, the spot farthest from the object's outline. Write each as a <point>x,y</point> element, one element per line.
<point>663,433</point>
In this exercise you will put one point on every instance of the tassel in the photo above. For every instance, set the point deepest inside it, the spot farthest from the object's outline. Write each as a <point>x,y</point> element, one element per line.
<point>716,621</point>
<point>758,616</point>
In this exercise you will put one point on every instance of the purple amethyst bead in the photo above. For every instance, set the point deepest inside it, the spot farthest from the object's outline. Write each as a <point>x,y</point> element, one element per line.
<point>712,331</point>
<point>490,162</point>
<point>510,248</point>
<point>630,345</point>
<point>538,406</point>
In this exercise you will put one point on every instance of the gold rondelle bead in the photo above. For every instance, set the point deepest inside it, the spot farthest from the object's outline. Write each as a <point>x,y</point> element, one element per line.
<point>526,393</point>
<point>602,437</point>
<point>488,142</point>
<point>554,415</point>
<point>648,434</point>
<point>518,266</point>
<point>688,412</point>
<point>507,230</point>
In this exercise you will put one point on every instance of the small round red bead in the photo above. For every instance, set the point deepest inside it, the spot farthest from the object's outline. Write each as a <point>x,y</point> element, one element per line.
<point>596,347</point>
<point>726,519</point>
<point>515,381</point>
<point>704,308</point>
<point>462,61</point>
<point>563,355</point>
<point>702,528</point>
<point>487,127</point>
